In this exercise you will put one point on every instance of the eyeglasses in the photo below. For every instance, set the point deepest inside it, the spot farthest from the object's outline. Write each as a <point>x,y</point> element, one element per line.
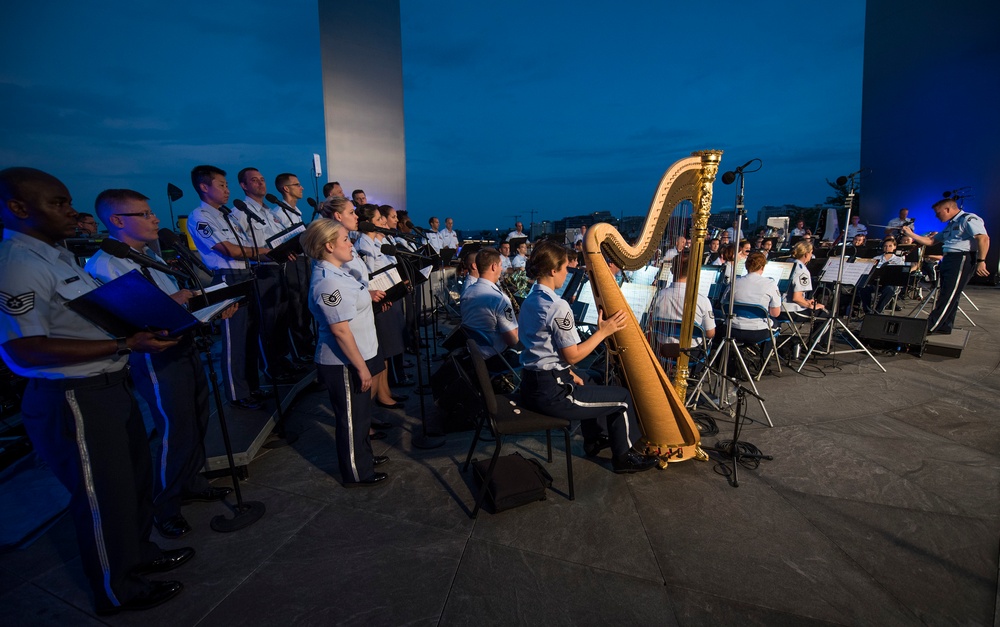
<point>145,214</point>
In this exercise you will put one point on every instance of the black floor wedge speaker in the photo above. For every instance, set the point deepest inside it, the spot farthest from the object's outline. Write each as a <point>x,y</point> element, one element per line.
<point>895,330</point>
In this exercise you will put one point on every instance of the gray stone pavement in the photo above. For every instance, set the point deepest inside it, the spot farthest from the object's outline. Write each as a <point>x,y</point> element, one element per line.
<point>881,507</point>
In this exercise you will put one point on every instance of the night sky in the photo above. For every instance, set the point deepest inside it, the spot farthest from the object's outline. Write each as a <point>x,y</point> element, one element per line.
<point>564,108</point>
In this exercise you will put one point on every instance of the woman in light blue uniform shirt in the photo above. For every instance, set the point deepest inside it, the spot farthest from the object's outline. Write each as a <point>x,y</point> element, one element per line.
<point>347,348</point>
<point>552,345</point>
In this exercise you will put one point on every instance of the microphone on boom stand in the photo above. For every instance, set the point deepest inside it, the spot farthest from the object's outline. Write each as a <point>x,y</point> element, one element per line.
<point>274,200</point>
<point>242,206</point>
<point>122,250</point>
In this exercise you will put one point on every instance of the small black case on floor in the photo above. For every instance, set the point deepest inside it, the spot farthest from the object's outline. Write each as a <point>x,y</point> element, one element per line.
<point>516,481</point>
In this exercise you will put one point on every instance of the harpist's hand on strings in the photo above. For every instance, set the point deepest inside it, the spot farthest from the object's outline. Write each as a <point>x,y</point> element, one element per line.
<point>608,326</point>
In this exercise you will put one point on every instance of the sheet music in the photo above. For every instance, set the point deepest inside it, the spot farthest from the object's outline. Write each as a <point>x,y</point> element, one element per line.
<point>292,231</point>
<point>587,297</point>
<point>780,272</point>
<point>638,297</point>
<point>383,280</point>
<point>205,314</point>
<point>852,271</point>
<point>645,275</point>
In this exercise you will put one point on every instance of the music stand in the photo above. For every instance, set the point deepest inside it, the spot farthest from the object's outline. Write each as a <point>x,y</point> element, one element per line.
<point>834,323</point>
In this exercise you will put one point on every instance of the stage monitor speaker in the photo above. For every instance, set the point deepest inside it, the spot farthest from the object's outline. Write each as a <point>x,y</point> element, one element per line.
<point>895,331</point>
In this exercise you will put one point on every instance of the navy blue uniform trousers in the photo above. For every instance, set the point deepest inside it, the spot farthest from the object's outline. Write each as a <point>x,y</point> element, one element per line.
<point>90,432</point>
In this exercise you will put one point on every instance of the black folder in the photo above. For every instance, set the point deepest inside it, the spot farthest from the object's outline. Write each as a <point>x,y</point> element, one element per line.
<point>291,245</point>
<point>131,303</point>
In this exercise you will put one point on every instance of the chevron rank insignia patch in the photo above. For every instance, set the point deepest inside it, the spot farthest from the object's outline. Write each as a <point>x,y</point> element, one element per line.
<point>803,279</point>
<point>204,229</point>
<point>565,324</point>
<point>509,314</point>
<point>332,300</point>
<point>16,305</point>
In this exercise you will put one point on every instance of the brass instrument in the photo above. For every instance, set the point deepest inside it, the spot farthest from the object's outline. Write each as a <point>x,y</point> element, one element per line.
<point>516,286</point>
<point>669,430</point>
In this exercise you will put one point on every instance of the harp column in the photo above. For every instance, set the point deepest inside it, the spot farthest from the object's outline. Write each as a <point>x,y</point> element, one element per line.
<point>699,228</point>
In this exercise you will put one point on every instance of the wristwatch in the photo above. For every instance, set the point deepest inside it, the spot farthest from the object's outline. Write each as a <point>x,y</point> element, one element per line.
<point>122,347</point>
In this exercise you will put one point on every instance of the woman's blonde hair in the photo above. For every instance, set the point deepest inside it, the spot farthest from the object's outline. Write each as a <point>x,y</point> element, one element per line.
<point>801,249</point>
<point>320,232</point>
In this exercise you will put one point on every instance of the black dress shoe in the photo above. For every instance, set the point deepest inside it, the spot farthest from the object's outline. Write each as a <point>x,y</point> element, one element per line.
<point>630,462</point>
<point>171,559</point>
<point>389,405</point>
<point>380,459</point>
<point>378,435</point>
<point>376,480</point>
<point>591,449</point>
<point>160,592</point>
<point>173,527</point>
<point>381,426</point>
<point>208,495</point>
<point>399,398</point>
<point>247,403</point>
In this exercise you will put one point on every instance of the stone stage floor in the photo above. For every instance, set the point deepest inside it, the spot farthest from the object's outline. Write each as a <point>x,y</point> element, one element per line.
<point>881,507</point>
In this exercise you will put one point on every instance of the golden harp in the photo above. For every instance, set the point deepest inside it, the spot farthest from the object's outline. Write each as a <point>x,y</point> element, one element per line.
<point>669,431</point>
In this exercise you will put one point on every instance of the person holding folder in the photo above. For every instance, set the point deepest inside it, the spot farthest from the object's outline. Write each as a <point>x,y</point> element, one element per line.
<point>78,408</point>
<point>173,382</point>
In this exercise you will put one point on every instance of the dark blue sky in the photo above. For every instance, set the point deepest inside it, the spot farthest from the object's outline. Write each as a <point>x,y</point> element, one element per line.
<point>564,108</point>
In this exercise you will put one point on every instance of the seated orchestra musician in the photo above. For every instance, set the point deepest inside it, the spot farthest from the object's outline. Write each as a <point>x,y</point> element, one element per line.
<point>668,311</point>
<point>487,313</point>
<point>754,288</point>
<point>797,299</point>
<point>885,294</point>
<point>552,346</point>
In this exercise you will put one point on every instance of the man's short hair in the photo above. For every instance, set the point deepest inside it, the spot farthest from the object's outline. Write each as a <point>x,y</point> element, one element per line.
<point>83,215</point>
<point>282,179</point>
<point>943,202</point>
<point>113,201</point>
<point>329,188</point>
<point>680,265</point>
<point>486,257</point>
<point>204,174</point>
<point>356,192</point>
<point>241,176</point>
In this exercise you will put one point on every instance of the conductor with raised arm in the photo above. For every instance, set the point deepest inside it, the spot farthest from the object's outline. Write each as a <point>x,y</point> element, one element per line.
<point>965,245</point>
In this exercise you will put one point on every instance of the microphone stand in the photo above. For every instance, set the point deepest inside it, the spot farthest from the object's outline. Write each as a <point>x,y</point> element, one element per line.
<point>245,513</point>
<point>432,437</point>
<point>728,343</point>
<point>734,449</point>
<point>284,437</point>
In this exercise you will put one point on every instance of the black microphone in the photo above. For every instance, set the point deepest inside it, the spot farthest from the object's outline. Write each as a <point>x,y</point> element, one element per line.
<point>841,180</point>
<point>271,198</point>
<point>122,250</point>
<point>389,249</point>
<point>225,210</point>
<point>414,227</point>
<point>174,242</point>
<point>242,206</point>
<point>729,177</point>
<point>311,202</point>
<point>368,227</point>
